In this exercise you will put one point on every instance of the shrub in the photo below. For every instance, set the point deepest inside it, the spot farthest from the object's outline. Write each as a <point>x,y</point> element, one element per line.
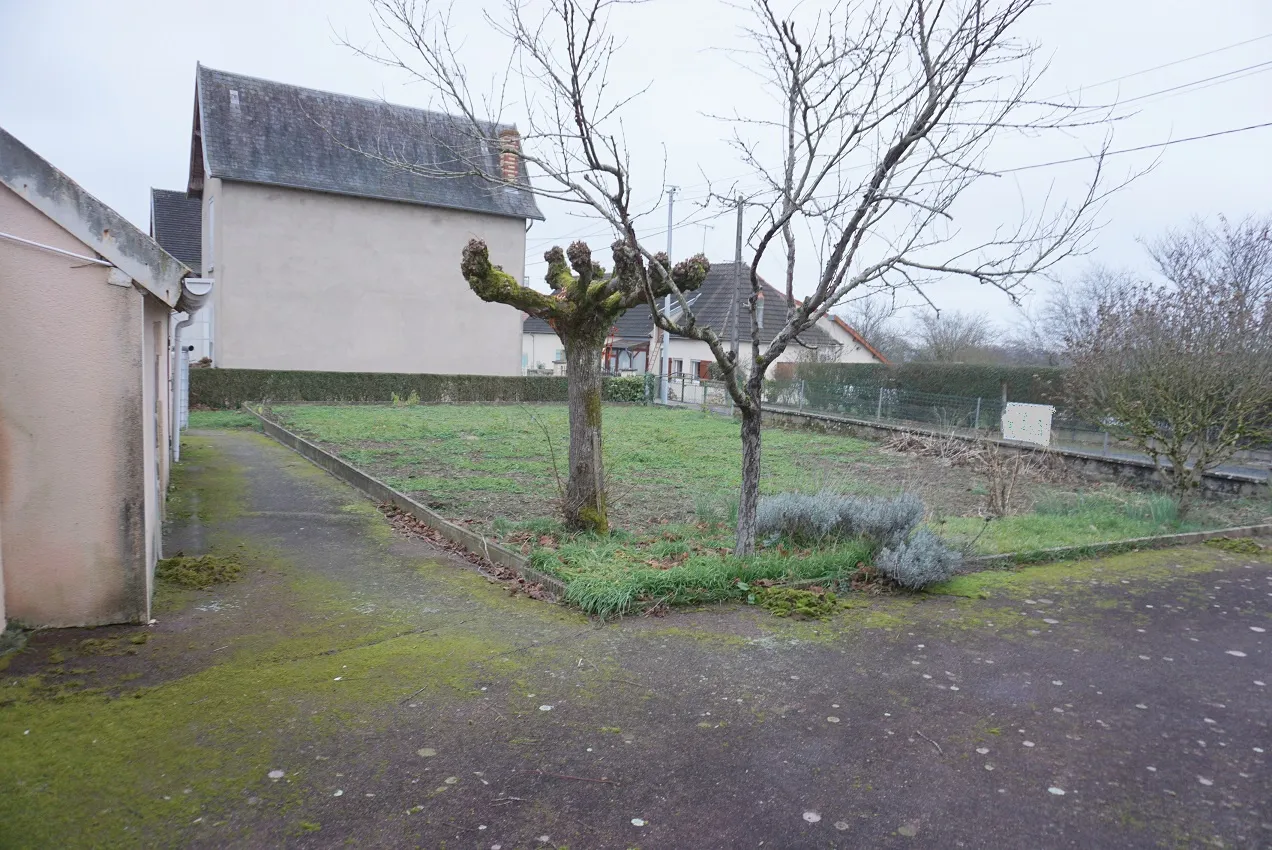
<point>812,520</point>
<point>918,562</point>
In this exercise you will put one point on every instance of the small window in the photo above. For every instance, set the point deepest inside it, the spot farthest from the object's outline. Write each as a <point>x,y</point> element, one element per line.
<point>525,360</point>
<point>560,356</point>
<point>675,366</point>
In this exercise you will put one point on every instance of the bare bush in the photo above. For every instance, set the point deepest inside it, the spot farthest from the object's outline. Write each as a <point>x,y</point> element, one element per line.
<point>1183,371</point>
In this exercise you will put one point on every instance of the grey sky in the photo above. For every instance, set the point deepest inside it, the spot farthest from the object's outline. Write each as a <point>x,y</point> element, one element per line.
<point>105,92</point>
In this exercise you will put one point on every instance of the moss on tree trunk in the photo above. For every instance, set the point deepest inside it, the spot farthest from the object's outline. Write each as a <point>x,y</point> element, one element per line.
<point>585,508</point>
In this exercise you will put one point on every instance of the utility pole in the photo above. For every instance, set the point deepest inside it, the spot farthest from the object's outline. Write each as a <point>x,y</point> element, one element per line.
<point>665,358</point>
<point>736,306</point>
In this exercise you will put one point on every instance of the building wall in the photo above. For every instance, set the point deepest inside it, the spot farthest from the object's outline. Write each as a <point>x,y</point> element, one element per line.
<point>540,348</point>
<point>306,280</point>
<point>156,401</point>
<point>72,451</point>
<point>852,351</point>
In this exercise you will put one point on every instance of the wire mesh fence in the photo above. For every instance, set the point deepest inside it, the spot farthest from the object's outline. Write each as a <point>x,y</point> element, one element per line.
<point>879,403</point>
<point>894,406</point>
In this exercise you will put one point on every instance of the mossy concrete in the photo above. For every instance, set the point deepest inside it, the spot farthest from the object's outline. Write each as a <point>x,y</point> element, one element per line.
<point>410,702</point>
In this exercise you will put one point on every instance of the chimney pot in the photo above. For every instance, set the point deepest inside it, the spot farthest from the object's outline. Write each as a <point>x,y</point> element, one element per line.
<point>509,155</point>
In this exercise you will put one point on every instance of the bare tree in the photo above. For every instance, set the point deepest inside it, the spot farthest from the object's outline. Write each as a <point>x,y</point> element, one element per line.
<point>954,337</point>
<point>1239,256</point>
<point>1184,370</point>
<point>887,110</point>
<point>1071,308</point>
<point>875,318</point>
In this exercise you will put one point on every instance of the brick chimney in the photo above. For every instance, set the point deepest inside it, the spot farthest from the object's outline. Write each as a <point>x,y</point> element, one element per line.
<point>509,155</point>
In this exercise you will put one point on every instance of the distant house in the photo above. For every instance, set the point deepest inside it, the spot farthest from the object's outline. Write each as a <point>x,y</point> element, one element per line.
<point>328,253</point>
<point>855,347</point>
<point>824,341</point>
<point>626,349</point>
<point>86,316</point>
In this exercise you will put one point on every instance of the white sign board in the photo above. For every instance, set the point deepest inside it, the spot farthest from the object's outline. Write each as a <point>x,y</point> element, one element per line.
<point>1028,423</point>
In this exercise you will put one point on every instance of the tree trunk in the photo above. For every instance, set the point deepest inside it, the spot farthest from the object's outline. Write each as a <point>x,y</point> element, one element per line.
<point>749,497</point>
<point>585,508</point>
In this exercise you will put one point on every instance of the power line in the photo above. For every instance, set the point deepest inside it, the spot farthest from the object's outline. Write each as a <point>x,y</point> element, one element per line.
<point>1133,150</point>
<point>1225,77</point>
<point>1165,65</point>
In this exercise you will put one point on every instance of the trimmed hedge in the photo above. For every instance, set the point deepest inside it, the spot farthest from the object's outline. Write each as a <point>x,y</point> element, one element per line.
<point>1033,384</point>
<point>229,388</point>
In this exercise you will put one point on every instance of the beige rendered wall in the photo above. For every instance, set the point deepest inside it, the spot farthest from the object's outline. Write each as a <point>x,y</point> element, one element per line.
<point>72,498</point>
<point>306,280</point>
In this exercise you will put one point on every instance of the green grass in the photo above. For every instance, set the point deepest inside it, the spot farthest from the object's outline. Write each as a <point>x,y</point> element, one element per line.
<point>673,479</point>
<point>1071,519</point>
<point>221,419</point>
<point>487,461</point>
<point>682,565</point>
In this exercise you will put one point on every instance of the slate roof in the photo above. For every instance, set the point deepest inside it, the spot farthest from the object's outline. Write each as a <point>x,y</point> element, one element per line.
<point>633,327</point>
<point>259,131</point>
<point>176,223</point>
<point>712,308</point>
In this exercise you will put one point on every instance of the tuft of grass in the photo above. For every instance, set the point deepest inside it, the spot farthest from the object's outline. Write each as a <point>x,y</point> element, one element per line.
<point>199,572</point>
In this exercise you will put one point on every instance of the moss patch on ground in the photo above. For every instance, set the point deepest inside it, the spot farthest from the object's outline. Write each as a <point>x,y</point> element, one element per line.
<point>800,604</point>
<point>1146,566</point>
<point>222,419</point>
<point>146,762</point>
<point>1238,545</point>
<point>199,572</point>
<point>221,487</point>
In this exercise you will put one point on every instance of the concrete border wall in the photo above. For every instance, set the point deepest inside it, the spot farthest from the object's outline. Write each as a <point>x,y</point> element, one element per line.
<point>1069,553</point>
<point>1139,472</point>
<point>384,494</point>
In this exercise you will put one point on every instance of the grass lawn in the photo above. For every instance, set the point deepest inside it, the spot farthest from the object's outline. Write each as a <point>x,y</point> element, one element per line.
<point>674,476</point>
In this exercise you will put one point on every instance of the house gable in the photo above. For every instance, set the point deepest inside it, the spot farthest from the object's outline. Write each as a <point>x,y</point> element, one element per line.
<point>257,131</point>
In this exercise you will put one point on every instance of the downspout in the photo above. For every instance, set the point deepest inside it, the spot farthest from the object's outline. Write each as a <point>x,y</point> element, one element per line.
<point>195,291</point>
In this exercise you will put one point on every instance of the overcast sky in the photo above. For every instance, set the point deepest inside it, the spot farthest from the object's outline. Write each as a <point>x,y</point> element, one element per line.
<point>105,92</point>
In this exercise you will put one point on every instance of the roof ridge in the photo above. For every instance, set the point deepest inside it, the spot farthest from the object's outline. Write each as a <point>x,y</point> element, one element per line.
<point>349,97</point>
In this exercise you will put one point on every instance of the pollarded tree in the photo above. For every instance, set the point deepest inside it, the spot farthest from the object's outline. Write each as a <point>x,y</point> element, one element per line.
<point>582,308</point>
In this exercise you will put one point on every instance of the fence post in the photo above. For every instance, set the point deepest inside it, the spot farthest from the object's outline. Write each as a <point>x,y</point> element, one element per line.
<point>1106,443</point>
<point>801,394</point>
<point>976,427</point>
<point>879,408</point>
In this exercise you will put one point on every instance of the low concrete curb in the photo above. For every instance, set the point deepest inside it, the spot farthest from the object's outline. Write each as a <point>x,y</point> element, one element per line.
<point>1065,553</point>
<point>384,494</point>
